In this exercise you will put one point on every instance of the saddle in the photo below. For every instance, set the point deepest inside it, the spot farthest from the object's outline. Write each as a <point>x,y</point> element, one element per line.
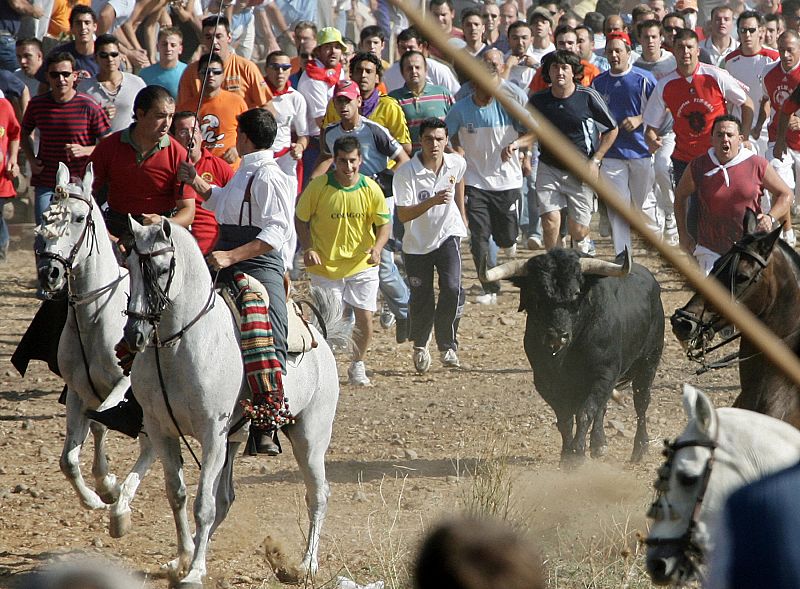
<point>299,338</point>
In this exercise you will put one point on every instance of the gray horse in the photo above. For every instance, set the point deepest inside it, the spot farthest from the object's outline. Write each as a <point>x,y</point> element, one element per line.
<point>75,255</point>
<point>189,378</point>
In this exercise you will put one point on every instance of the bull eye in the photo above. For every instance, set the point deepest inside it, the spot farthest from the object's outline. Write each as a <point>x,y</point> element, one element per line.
<point>687,480</point>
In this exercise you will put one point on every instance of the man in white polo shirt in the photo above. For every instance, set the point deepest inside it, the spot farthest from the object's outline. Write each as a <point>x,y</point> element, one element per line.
<point>429,196</point>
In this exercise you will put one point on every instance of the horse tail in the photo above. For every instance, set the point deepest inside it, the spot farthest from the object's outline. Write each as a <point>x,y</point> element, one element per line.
<point>331,321</point>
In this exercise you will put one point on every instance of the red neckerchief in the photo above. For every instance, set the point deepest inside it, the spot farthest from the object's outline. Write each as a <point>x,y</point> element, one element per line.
<point>275,91</point>
<point>316,71</point>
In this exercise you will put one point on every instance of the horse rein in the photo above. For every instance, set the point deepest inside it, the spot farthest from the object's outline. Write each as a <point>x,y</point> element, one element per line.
<point>685,542</point>
<point>703,330</point>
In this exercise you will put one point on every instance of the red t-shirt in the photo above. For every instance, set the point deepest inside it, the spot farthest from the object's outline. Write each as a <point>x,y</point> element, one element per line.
<point>9,131</point>
<point>778,86</point>
<point>218,172</point>
<point>149,186</point>
<point>721,206</point>
<point>694,102</point>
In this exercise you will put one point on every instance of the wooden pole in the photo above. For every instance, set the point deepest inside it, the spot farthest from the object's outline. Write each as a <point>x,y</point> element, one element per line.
<point>772,347</point>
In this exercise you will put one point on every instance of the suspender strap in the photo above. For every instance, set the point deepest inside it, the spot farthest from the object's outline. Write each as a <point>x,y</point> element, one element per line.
<point>246,200</point>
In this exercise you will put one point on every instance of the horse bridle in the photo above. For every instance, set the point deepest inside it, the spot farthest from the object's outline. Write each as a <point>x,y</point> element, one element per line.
<point>685,542</point>
<point>158,299</point>
<point>702,330</point>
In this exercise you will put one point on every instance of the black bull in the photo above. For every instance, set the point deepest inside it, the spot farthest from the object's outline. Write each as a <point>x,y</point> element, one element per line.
<point>592,326</point>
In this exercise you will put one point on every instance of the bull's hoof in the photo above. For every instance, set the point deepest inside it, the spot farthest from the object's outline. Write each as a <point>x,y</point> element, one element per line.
<point>600,451</point>
<point>572,461</point>
<point>119,525</point>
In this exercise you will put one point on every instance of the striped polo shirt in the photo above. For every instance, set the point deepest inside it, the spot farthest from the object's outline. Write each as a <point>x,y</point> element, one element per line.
<point>79,120</point>
<point>433,101</point>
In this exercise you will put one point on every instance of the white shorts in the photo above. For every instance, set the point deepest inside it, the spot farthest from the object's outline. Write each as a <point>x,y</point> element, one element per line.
<point>360,290</point>
<point>557,189</point>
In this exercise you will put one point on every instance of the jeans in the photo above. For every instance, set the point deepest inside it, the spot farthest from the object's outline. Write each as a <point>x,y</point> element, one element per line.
<point>8,53</point>
<point>426,313</point>
<point>530,223</point>
<point>4,237</point>
<point>393,287</point>
<point>42,196</point>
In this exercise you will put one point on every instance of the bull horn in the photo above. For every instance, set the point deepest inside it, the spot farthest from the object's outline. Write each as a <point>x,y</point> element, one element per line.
<point>603,268</point>
<point>507,270</point>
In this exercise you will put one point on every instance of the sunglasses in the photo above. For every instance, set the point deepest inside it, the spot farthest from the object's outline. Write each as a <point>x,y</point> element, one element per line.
<point>488,15</point>
<point>751,30</point>
<point>211,71</point>
<point>280,66</point>
<point>107,54</point>
<point>56,75</point>
<point>673,29</point>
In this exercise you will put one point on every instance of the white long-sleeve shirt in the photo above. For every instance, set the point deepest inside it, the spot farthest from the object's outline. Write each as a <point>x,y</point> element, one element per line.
<point>271,199</point>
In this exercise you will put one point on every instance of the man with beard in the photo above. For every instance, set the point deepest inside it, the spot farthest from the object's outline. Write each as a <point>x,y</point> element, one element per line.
<point>726,181</point>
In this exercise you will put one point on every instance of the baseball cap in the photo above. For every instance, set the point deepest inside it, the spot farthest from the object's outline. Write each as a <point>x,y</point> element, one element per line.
<point>346,88</point>
<point>330,35</point>
<point>682,5</point>
<point>621,35</point>
<point>542,12</point>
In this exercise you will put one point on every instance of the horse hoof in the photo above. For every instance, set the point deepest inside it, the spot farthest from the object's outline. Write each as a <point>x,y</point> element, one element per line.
<point>110,496</point>
<point>119,525</point>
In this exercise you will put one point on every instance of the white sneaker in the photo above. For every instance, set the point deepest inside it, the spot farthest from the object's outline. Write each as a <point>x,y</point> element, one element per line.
<point>357,374</point>
<point>535,243</point>
<point>387,318</point>
<point>788,237</point>
<point>422,359</point>
<point>585,246</point>
<point>487,298</point>
<point>509,252</point>
<point>450,359</point>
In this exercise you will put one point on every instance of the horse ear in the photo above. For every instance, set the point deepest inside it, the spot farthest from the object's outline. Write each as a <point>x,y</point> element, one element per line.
<point>133,224</point>
<point>750,221</point>
<point>689,399</point>
<point>166,227</point>
<point>88,179</point>
<point>62,175</point>
<point>766,243</point>
<point>703,411</point>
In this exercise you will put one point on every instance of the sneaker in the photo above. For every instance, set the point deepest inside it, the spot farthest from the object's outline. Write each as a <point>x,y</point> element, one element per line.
<point>585,246</point>
<point>357,374</point>
<point>788,237</point>
<point>450,359</point>
<point>509,252</point>
<point>487,298</point>
<point>422,360</point>
<point>387,317</point>
<point>535,243</point>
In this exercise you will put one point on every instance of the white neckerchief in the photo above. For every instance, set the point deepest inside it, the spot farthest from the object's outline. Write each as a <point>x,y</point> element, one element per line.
<point>743,154</point>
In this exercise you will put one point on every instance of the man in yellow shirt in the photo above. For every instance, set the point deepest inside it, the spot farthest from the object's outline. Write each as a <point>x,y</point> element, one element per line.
<point>342,224</point>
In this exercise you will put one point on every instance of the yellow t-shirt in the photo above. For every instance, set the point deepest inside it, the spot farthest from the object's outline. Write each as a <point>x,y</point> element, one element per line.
<point>388,114</point>
<point>342,222</point>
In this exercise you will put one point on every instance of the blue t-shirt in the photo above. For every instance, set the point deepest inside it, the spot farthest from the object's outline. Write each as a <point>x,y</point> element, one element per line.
<point>169,79</point>
<point>377,145</point>
<point>626,94</point>
<point>85,65</point>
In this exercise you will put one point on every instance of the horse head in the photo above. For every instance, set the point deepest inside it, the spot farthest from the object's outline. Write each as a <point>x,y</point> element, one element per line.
<point>678,538</point>
<point>744,270</point>
<point>153,280</point>
<point>66,236</point>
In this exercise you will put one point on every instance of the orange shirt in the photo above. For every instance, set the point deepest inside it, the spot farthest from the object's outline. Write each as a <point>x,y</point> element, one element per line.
<point>217,120</point>
<point>590,72</point>
<point>242,77</point>
<point>59,17</point>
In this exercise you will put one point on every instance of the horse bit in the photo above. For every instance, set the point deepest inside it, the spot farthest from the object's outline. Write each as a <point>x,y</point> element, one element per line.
<point>685,542</point>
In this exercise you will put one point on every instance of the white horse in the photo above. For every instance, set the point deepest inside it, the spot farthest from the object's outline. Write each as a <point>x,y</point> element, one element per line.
<point>75,254</point>
<point>189,378</point>
<point>719,451</point>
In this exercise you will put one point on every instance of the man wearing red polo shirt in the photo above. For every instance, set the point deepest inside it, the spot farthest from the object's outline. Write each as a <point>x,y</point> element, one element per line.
<point>138,166</point>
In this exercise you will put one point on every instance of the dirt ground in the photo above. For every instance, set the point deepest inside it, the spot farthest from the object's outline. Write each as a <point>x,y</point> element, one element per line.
<point>405,452</point>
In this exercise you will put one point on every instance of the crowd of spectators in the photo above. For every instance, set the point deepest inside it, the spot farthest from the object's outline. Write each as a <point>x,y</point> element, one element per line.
<point>430,159</point>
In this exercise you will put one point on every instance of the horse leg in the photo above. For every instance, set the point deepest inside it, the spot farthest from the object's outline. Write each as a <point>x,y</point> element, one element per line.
<point>214,454</point>
<point>104,483</point>
<point>120,522</point>
<point>225,491</point>
<point>77,432</point>
<point>169,451</point>
<point>309,448</point>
